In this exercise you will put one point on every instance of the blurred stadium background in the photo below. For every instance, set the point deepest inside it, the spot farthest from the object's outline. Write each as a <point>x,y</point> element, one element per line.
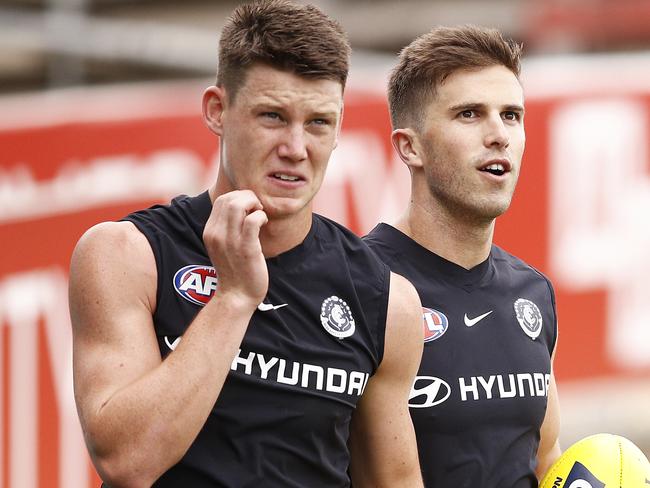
<point>100,114</point>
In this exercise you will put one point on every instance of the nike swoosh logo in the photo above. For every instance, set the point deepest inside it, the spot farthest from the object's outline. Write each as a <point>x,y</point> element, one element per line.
<point>265,307</point>
<point>172,345</point>
<point>471,322</point>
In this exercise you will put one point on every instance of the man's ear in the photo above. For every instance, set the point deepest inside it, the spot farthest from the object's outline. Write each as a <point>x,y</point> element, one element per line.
<point>407,144</point>
<point>213,105</point>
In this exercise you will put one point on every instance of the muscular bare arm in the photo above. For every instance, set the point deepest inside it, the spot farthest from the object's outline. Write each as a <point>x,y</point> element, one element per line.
<point>382,439</point>
<point>140,414</point>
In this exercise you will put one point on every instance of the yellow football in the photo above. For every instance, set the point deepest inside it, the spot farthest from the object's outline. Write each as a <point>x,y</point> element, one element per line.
<point>600,461</point>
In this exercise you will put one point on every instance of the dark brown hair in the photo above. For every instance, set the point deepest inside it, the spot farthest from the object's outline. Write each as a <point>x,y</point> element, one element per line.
<point>297,38</point>
<point>425,63</point>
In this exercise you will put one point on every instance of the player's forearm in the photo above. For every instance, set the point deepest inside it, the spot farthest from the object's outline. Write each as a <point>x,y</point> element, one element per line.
<point>546,459</point>
<point>383,452</point>
<point>401,470</point>
<point>404,476</point>
<point>147,426</point>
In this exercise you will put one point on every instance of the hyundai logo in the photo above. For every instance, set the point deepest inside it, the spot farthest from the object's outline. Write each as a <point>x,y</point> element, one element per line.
<point>428,391</point>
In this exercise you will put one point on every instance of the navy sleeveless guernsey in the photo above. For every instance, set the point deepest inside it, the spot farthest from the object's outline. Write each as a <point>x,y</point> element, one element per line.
<point>480,395</point>
<point>282,418</point>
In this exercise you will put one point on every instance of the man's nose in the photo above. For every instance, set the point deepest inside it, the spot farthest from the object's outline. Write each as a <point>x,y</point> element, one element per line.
<point>496,132</point>
<point>293,145</point>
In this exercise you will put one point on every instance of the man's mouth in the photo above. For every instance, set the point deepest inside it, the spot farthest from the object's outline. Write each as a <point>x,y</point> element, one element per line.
<point>284,177</point>
<point>495,168</point>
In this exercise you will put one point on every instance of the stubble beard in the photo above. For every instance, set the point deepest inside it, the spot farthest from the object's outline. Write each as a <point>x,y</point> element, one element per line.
<point>462,203</point>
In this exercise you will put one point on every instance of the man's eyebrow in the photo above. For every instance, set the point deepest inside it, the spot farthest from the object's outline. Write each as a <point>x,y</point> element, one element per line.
<point>272,106</point>
<point>515,108</point>
<point>478,105</point>
<point>324,114</point>
<point>466,106</point>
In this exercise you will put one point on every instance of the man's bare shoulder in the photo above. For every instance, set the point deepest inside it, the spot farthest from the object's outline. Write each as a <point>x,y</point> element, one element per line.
<point>114,258</point>
<point>112,237</point>
<point>404,303</point>
<point>404,331</point>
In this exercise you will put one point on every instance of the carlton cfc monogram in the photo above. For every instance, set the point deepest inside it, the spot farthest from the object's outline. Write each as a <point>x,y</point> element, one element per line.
<point>336,317</point>
<point>529,317</point>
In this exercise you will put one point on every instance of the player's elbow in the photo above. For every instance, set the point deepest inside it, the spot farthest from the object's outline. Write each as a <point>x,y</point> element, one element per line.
<point>118,473</point>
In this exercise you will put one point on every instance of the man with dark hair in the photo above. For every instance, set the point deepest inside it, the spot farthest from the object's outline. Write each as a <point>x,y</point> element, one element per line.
<point>234,338</point>
<point>484,403</point>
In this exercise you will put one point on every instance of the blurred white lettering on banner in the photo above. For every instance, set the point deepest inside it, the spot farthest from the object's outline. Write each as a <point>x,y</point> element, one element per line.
<point>25,299</point>
<point>101,181</point>
<point>600,202</point>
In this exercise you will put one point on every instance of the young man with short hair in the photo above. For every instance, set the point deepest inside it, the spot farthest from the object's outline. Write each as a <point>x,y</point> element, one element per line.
<point>484,403</point>
<point>236,339</point>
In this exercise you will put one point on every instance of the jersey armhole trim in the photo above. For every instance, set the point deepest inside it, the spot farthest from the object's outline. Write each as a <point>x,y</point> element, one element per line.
<point>382,317</point>
<point>555,321</point>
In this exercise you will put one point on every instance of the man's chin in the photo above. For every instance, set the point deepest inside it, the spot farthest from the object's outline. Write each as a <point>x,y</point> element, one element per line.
<point>284,208</point>
<point>495,209</point>
<point>482,212</point>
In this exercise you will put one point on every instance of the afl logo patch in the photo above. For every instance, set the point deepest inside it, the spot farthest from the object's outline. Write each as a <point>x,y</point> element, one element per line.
<point>336,317</point>
<point>196,283</point>
<point>529,317</point>
<point>435,324</point>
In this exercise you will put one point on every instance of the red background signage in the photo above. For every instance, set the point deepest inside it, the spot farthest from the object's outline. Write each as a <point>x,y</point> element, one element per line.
<point>71,159</point>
